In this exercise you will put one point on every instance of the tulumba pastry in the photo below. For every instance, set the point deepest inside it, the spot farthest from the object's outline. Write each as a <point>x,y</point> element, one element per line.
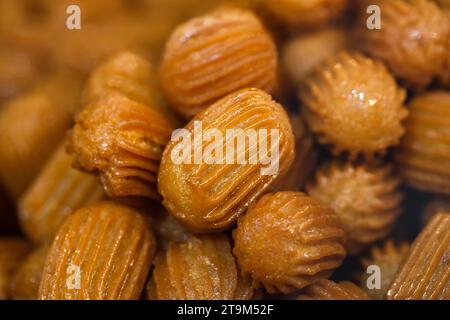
<point>101,252</point>
<point>207,189</point>
<point>352,86</point>
<point>330,290</point>
<point>200,268</point>
<point>211,56</point>
<point>287,241</point>
<point>423,157</point>
<point>56,193</point>
<point>365,197</point>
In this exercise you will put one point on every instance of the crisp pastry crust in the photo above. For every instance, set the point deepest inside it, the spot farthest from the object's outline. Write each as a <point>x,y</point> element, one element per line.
<point>213,55</point>
<point>305,13</point>
<point>423,158</point>
<point>425,275</point>
<point>123,141</point>
<point>388,256</point>
<point>201,268</point>
<point>211,196</point>
<point>330,290</point>
<point>352,87</point>
<point>287,241</point>
<point>412,40</point>
<point>366,199</point>
<point>56,193</point>
<point>108,246</point>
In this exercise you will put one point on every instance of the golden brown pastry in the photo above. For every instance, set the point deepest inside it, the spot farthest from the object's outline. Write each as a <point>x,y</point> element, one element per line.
<point>287,241</point>
<point>303,53</point>
<point>202,268</point>
<point>444,75</point>
<point>123,141</point>
<point>330,290</point>
<point>207,189</point>
<point>388,257</point>
<point>101,252</point>
<point>167,229</point>
<point>305,13</point>
<point>412,40</point>
<point>211,56</point>
<point>365,197</point>
<point>444,3</point>
<point>352,87</point>
<point>436,205</point>
<point>12,251</point>
<point>27,275</point>
<point>425,275</point>
<point>56,193</point>
<point>423,158</point>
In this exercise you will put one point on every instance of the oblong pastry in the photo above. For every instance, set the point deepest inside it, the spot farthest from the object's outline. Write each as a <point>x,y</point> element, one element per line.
<point>287,241</point>
<point>213,55</point>
<point>423,158</point>
<point>27,276</point>
<point>12,251</point>
<point>201,268</point>
<point>388,256</point>
<point>425,275</point>
<point>101,252</point>
<point>330,290</point>
<point>123,141</point>
<point>205,188</point>
<point>352,86</point>
<point>305,13</point>
<point>56,193</point>
<point>365,197</point>
<point>412,39</point>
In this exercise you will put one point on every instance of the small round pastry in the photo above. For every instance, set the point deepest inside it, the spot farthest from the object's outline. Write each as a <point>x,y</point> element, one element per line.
<point>305,13</point>
<point>388,257</point>
<point>425,274</point>
<point>27,276</point>
<point>330,290</point>
<point>12,251</point>
<point>412,39</point>
<point>201,268</point>
<point>225,159</point>
<point>287,241</point>
<point>123,141</point>
<point>366,199</point>
<point>103,251</point>
<point>423,158</point>
<point>211,56</point>
<point>56,193</point>
<point>302,54</point>
<point>436,205</point>
<point>353,105</point>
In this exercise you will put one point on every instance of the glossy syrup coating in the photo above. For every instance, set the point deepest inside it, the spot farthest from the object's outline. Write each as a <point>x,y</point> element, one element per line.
<point>366,199</point>
<point>350,87</point>
<point>101,252</point>
<point>201,268</point>
<point>388,256</point>
<point>423,158</point>
<point>209,195</point>
<point>123,141</point>
<point>287,241</point>
<point>412,40</point>
<point>303,53</point>
<point>305,13</point>
<point>211,56</point>
<point>425,275</point>
<point>330,290</point>
<point>56,193</point>
<point>27,276</point>
<point>12,251</point>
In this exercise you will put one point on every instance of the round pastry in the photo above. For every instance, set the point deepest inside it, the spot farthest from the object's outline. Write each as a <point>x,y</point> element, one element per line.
<point>366,199</point>
<point>211,56</point>
<point>330,290</point>
<point>353,104</point>
<point>207,189</point>
<point>287,241</point>
<point>423,158</point>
